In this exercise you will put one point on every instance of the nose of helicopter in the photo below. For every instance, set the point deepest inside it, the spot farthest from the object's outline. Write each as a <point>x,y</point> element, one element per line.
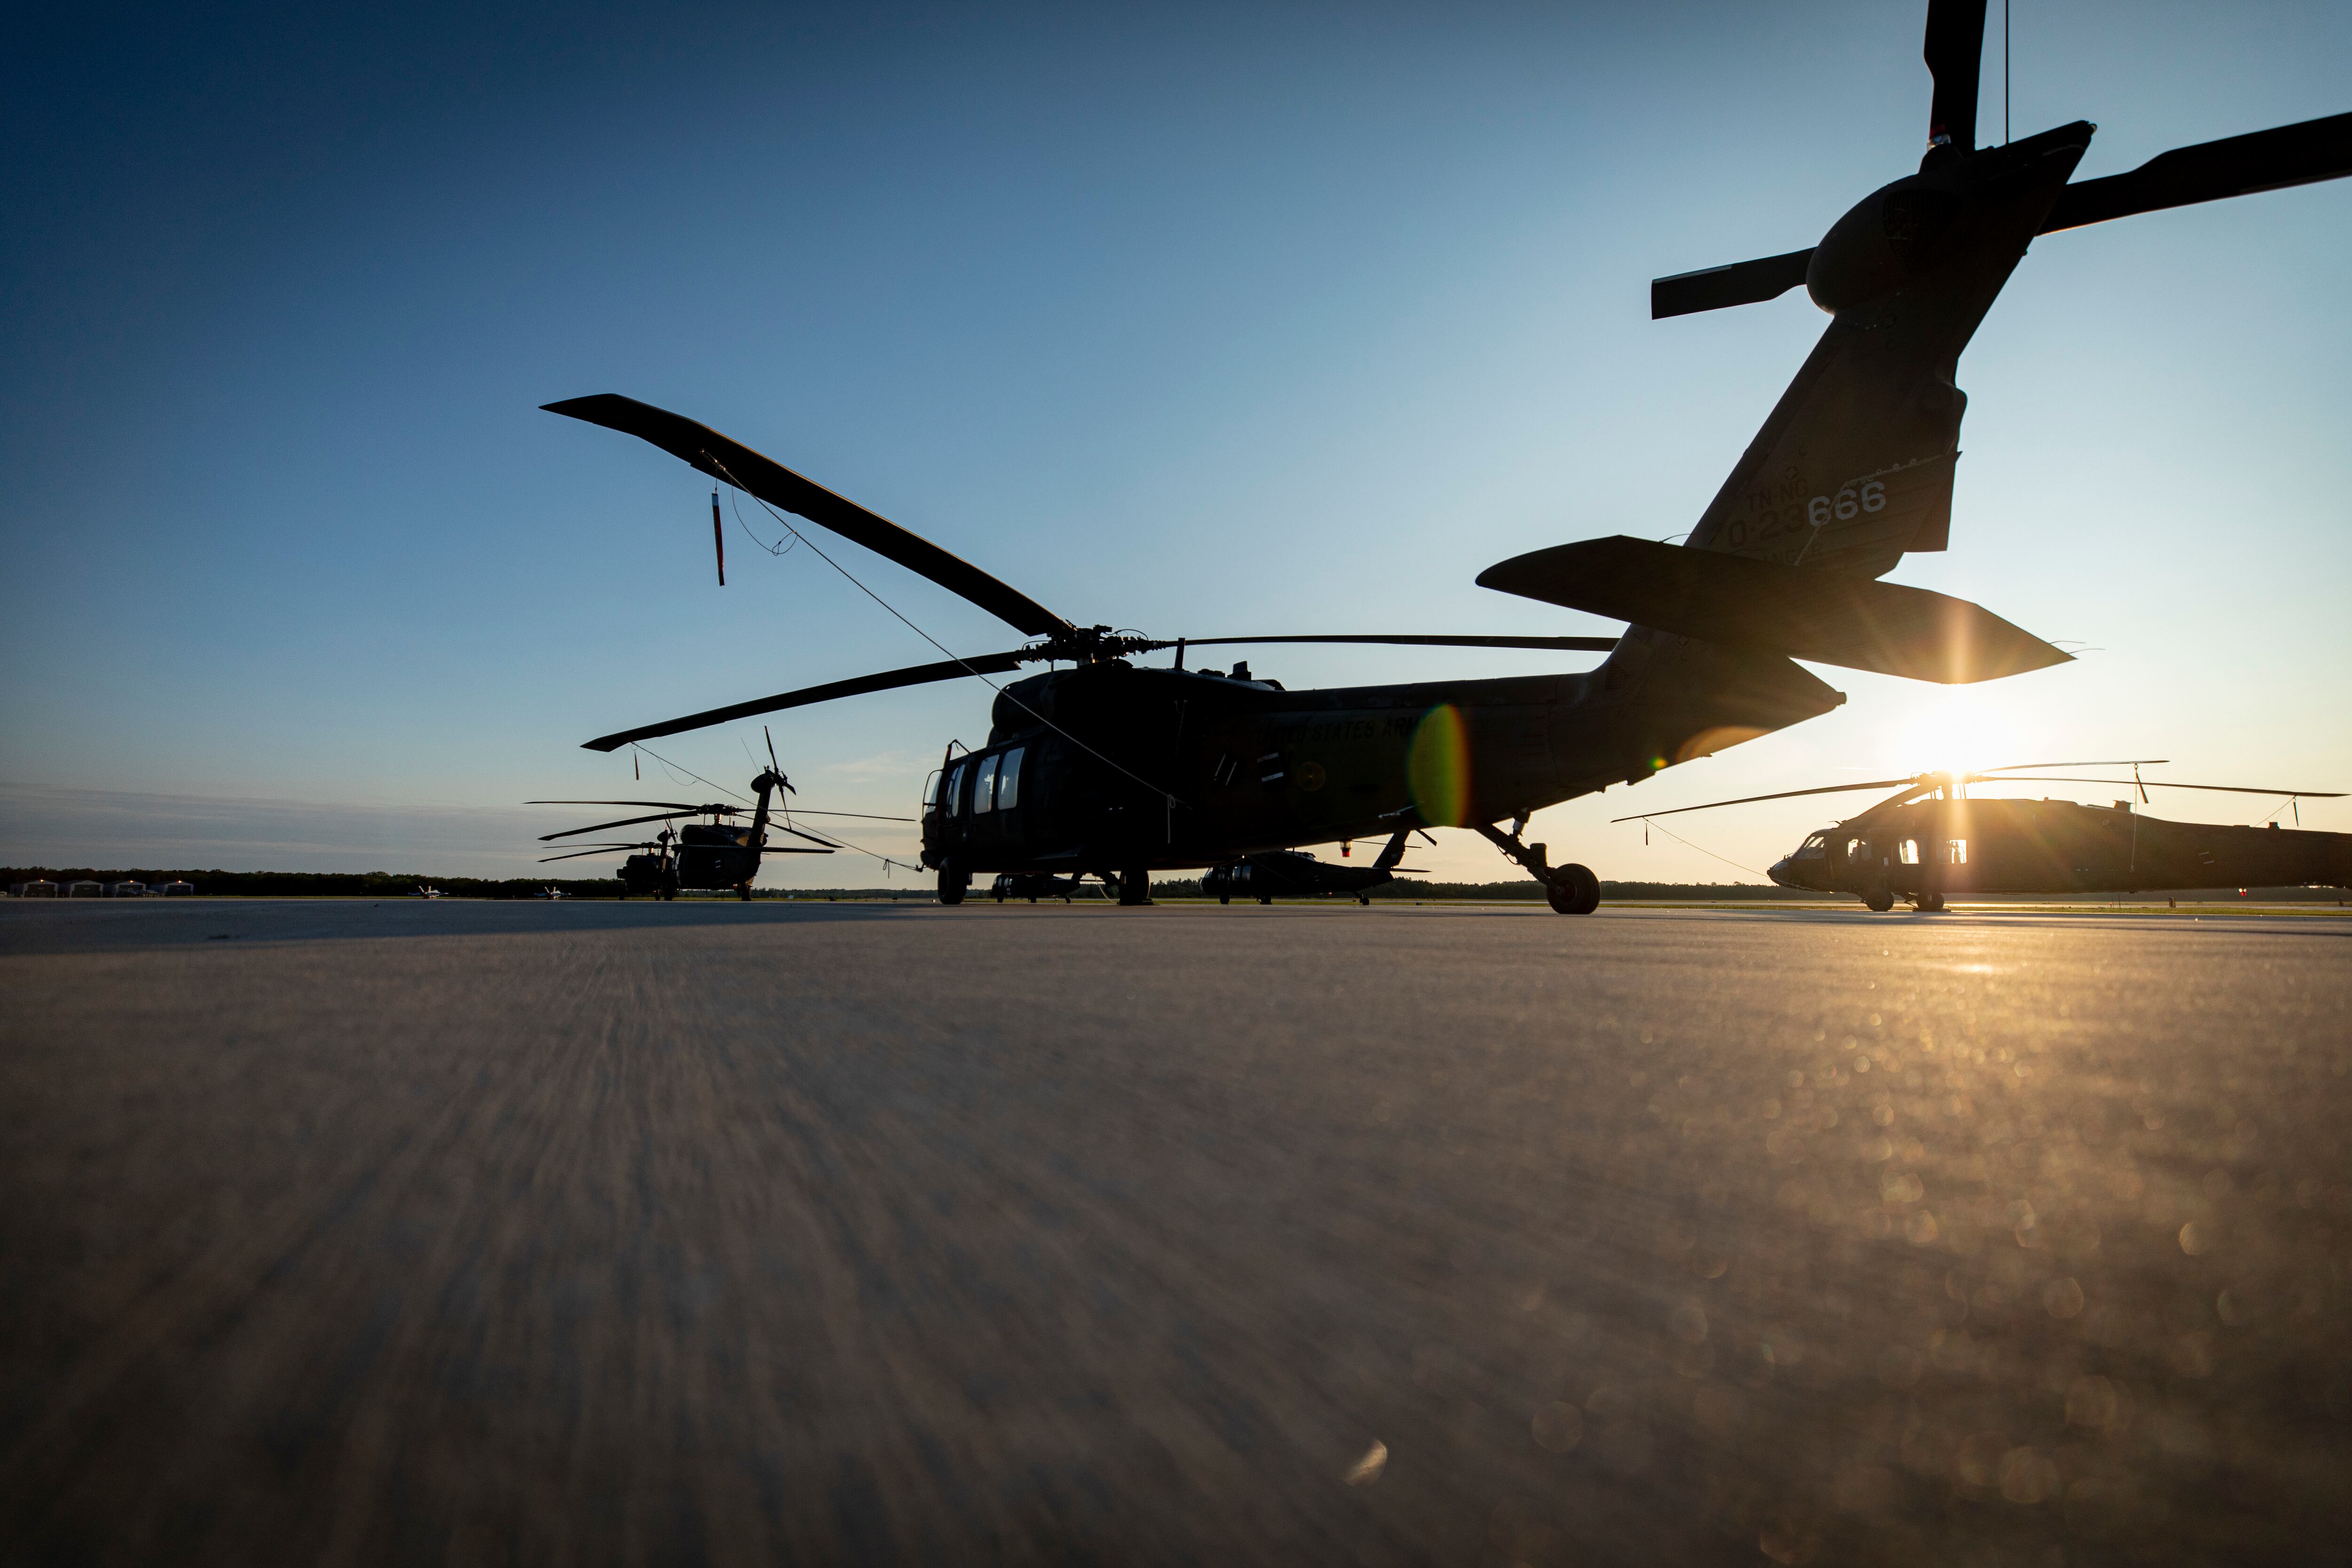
<point>1780,872</point>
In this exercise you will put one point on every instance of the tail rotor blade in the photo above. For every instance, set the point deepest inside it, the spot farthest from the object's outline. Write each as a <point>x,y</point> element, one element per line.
<point>1955,56</point>
<point>1717,288</point>
<point>2233,166</point>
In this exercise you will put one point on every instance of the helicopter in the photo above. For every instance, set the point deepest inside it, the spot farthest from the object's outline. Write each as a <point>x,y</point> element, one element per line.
<point>1294,873</point>
<point>1116,770</point>
<point>1928,840</point>
<point>714,855</point>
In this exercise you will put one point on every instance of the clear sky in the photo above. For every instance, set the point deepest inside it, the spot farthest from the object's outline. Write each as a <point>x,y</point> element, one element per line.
<point>1192,319</point>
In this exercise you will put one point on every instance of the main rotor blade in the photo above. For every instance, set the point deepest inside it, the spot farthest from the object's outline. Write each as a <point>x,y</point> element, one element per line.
<point>678,804</point>
<point>889,680</point>
<point>1784,794</point>
<point>2125,763</point>
<point>2159,783</point>
<point>812,837</point>
<point>732,462</point>
<point>2233,166</point>
<point>867,815</point>
<point>599,850</point>
<point>1565,644</point>
<point>1955,56</point>
<point>1738,283</point>
<point>625,822</point>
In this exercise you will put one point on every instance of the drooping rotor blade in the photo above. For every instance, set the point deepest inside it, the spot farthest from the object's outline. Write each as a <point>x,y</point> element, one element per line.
<point>2233,166</point>
<point>1784,794</point>
<point>867,815</point>
<point>627,821</point>
<point>732,462</point>
<point>599,850</point>
<point>1564,645</point>
<point>812,837</point>
<point>2126,763</point>
<point>1955,56</point>
<point>1739,283</point>
<point>2159,783</point>
<point>1718,597</point>
<point>889,680</point>
<point>676,805</point>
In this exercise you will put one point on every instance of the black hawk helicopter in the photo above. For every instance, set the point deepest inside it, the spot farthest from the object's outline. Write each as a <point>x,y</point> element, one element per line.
<point>1928,839</point>
<point>1293,873</point>
<point>715,855</point>
<point>1115,770</point>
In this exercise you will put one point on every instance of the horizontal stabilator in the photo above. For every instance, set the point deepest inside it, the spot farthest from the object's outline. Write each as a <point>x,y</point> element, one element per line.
<point>1856,622</point>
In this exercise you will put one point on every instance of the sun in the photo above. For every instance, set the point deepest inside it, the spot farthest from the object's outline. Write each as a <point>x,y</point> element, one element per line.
<point>1955,728</point>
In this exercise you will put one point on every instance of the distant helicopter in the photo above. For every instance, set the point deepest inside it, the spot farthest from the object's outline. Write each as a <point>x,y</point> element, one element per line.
<point>1291,873</point>
<point>1115,771</point>
<point>713,856</point>
<point>1928,840</point>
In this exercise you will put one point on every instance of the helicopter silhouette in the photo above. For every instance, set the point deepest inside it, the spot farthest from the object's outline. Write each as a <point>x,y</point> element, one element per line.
<point>1114,770</point>
<point>715,854</point>
<point>1930,839</point>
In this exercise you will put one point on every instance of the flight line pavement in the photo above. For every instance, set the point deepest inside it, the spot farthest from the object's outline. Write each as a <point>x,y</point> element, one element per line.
<point>710,1232</point>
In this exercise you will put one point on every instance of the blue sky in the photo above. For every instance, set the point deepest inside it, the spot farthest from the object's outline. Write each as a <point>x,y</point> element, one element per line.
<point>1196,319</point>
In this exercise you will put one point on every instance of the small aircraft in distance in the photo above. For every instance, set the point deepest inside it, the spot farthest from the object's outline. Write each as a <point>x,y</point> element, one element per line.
<point>1928,840</point>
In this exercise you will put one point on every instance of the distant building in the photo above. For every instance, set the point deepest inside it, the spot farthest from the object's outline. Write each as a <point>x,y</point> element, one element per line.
<point>85,889</point>
<point>126,889</point>
<point>174,890</point>
<point>40,889</point>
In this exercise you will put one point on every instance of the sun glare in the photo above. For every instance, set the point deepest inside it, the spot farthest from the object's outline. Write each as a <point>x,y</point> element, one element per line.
<point>1957,728</point>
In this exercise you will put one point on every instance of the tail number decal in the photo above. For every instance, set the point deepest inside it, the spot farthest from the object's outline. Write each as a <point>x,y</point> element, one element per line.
<point>1847,504</point>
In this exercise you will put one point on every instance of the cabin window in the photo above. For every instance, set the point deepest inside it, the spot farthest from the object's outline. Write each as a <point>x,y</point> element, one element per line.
<point>1907,852</point>
<point>1854,846</point>
<point>983,787</point>
<point>1956,852</point>
<point>951,793</point>
<point>1008,779</point>
<point>1814,848</point>
<point>930,791</point>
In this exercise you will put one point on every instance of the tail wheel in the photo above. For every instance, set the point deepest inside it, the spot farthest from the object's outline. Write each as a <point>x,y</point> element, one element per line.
<point>1574,891</point>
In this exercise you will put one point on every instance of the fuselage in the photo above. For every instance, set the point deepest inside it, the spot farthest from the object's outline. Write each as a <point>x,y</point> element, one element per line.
<point>1111,765</point>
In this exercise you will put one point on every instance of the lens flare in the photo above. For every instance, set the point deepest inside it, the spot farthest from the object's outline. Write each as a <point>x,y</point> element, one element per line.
<point>1438,767</point>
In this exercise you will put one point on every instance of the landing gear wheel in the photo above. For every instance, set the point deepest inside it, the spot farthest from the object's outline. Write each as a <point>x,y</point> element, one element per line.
<point>1931,903</point>
<point>1574,891</point>
<point>744,890</point>
<point>1134,887</point>
<point>952,884</point>
<point>1878,903</point>
<point>1363,900</point>
<point>1267,899</point>
<point>1225,898</point>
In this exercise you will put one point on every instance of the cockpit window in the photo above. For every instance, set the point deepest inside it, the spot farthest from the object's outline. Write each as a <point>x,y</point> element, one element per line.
<point>1813,848</point>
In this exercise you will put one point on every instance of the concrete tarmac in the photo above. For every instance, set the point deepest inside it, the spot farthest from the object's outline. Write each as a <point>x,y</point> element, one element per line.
<point>706,1231</point>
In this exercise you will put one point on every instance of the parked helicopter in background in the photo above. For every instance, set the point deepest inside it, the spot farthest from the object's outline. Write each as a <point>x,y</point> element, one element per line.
<point>1112,770</point>
<point>1929,841</point>
<point>1294,873</point>
<point>713,856</point>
